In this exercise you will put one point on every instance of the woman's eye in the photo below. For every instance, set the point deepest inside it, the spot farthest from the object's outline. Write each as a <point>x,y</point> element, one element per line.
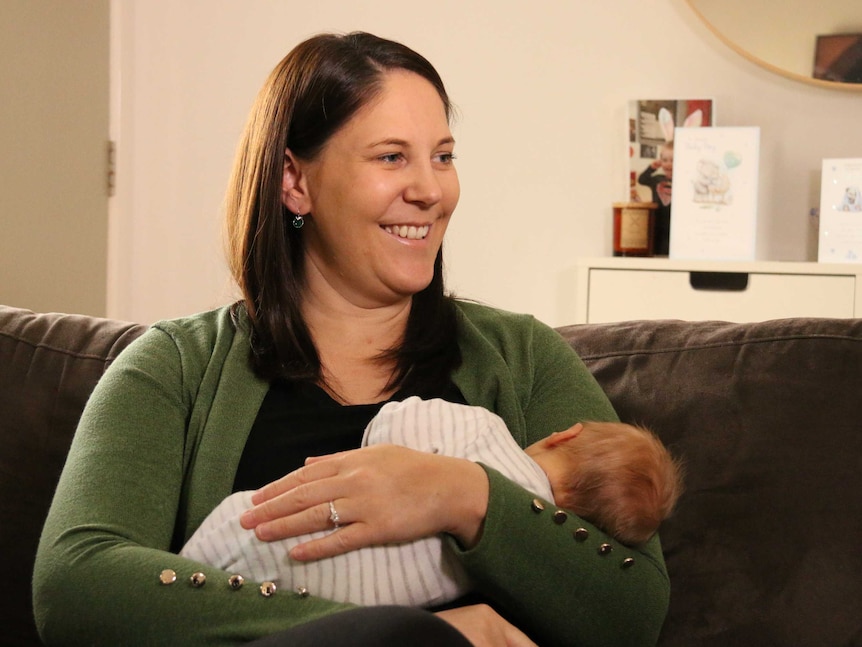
<point>446,158</point>
<point>390,157</point>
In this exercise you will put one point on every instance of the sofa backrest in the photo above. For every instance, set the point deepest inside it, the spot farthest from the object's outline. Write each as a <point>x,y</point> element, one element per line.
<point>764,547</point>
<point>49,364</point>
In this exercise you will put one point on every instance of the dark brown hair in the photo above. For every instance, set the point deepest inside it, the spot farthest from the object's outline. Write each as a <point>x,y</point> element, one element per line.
<point>309,96</point>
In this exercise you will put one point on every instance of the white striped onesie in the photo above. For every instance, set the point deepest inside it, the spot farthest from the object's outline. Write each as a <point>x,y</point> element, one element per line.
<point>418,573</point>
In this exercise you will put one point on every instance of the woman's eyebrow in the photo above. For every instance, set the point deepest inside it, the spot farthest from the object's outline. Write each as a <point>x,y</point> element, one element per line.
<point>395,141</point>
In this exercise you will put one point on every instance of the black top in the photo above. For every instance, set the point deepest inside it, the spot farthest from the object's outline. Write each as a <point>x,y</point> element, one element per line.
<point>298,420</point>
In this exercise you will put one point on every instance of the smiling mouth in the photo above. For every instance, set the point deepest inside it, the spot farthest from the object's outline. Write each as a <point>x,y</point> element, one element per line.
<point>409,232</point>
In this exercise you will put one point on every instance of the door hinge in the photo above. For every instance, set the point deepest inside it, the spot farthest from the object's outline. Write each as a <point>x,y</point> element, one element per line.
<point>112,168</point>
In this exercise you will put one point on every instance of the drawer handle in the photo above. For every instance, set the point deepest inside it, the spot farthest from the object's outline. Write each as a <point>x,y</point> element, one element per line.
<point>723,281</point>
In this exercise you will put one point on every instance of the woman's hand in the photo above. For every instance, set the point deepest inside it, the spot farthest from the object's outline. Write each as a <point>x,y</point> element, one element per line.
<point>484,627</point>
<point>383,494</point>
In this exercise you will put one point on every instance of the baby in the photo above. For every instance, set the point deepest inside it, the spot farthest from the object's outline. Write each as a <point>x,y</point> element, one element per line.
<point>617,476</point>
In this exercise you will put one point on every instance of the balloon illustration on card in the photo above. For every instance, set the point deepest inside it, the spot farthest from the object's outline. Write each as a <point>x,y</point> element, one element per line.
<point>732,159</point>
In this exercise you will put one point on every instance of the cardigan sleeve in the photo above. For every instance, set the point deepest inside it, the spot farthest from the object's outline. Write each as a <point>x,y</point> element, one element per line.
<point>119,508</point>
<point>562,391</point>
<point>564,582</point>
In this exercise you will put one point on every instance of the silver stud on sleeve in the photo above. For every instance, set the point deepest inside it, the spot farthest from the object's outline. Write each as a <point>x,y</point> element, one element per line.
<point>235,582</point>
<point>302,592</point>
<point>537,505</point>
<point>198,579</point>
<point>267,589</point>
<point>605,549</point>
<point>560,517</point>
<point>628,562</point>
<point>581,534</point>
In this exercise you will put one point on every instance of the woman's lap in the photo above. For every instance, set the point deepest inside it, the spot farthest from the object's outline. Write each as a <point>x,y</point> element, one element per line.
<point>381,626</point>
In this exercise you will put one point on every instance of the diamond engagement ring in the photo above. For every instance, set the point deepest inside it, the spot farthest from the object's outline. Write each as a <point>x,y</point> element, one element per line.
<point>333,515</point>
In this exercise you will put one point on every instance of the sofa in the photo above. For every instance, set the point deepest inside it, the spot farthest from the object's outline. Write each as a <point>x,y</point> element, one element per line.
<point>764,548</point>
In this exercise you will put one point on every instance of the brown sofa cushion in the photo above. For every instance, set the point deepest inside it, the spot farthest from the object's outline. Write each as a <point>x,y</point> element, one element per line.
<point>764,546</point>
<point>50,364</point>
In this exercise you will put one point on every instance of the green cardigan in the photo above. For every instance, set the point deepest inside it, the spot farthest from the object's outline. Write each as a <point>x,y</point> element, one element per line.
<point>157,448</point>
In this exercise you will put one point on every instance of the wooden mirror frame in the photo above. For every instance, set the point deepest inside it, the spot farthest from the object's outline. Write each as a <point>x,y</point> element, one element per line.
<point>810,80</point>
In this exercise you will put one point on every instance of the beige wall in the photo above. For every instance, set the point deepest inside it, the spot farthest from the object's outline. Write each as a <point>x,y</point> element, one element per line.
<point>542,89</point>
<point>53,138</point>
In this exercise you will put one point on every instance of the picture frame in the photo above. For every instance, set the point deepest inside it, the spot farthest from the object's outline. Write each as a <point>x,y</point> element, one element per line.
<point>838,58</point>
<point>652,124</point>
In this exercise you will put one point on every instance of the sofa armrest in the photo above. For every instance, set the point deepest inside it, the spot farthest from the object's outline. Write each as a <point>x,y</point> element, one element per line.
<point>49,364</point>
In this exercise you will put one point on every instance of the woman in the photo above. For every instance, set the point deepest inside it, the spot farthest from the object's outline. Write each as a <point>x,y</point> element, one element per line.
<point>341,194</point>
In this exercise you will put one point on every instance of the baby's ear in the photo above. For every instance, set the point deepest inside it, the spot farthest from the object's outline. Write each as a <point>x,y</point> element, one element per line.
<point>564,436</point>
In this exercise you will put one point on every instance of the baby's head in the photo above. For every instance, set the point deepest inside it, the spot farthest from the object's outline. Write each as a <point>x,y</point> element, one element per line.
<point>617,476</point>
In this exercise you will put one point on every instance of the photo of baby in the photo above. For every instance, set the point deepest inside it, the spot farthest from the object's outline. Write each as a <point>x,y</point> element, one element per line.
<point>652,124</point>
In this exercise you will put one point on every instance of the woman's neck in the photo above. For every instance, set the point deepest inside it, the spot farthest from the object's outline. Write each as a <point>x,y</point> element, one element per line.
<point>350,341</point>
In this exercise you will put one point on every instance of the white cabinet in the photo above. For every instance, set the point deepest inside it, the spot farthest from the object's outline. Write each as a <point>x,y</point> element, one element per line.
<point>621,289</point>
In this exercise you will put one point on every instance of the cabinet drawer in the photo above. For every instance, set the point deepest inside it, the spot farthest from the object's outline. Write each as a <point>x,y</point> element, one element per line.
<point>626,294</point>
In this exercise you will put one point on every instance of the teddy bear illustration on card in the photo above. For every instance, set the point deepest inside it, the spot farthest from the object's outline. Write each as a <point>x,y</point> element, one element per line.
<point>712,183</point>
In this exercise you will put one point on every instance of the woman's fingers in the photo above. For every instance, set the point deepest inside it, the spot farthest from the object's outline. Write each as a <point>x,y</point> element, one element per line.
<point>300,522</point>
<point>316,468</point>
<point>294,493</point>
<point>305,508</point>
<point>341,540</point>
<point>321,480</point>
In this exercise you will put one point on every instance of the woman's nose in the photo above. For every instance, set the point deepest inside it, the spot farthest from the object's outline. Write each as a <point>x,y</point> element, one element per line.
<point>424,186</point>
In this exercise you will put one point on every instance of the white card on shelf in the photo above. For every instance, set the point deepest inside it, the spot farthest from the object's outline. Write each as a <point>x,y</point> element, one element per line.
<point>715,176</point>
<point>840,236</point>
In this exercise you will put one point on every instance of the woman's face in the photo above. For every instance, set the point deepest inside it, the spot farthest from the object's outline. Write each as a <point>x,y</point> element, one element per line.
<point>380,194</point>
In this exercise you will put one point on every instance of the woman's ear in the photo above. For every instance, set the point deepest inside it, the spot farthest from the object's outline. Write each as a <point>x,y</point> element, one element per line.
<point>294,192</point>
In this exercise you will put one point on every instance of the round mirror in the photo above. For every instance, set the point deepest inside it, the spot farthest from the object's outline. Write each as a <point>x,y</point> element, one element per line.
<point>816,41</point>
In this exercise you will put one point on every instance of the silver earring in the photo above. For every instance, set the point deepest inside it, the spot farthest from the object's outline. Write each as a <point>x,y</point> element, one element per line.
<point>298,221</point>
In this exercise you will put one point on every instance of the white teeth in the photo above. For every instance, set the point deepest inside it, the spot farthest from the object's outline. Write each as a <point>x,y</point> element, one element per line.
<point>410,232</point>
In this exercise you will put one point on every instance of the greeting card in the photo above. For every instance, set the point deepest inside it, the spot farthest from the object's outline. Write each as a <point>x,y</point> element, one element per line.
<point>716,172</point>
<point>840,238</point>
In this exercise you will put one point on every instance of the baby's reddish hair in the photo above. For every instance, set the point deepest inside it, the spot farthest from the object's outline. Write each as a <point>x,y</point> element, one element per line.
<point>623,480</point>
